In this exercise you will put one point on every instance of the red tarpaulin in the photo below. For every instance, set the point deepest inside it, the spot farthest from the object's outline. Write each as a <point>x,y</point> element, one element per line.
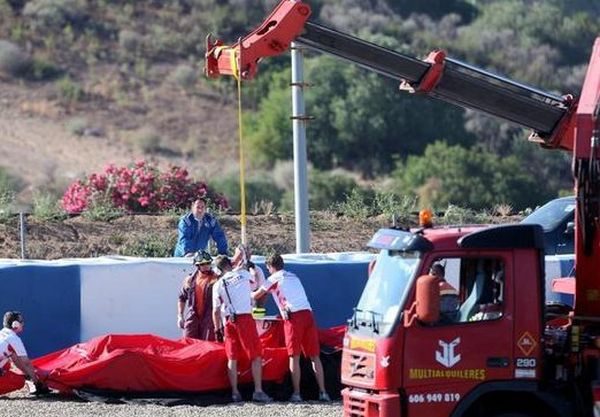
<point>148,363</point>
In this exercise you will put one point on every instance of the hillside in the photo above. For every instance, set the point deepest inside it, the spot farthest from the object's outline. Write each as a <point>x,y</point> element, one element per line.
<point>86,84</point>
<point>40,148</point>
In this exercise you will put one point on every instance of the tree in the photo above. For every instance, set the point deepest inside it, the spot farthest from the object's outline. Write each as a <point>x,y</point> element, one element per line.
<point>362,122</point>
<point>469,178</point>
<point>270,129</point>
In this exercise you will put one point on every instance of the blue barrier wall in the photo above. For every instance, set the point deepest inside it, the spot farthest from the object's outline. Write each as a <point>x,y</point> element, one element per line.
<point>333,289</point>
<point>48,297</point>
<point>69,301</point>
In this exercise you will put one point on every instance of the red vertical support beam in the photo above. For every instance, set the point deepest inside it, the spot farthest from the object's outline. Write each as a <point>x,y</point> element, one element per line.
<point>586,150</point>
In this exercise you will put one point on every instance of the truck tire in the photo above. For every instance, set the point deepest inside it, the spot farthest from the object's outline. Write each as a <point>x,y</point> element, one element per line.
<point>516,414</point>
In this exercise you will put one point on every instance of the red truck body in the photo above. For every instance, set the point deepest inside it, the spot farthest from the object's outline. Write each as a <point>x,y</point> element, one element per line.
<point>409,368</point>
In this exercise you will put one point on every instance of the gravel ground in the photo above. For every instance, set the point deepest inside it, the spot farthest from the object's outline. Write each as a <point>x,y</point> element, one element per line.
<point>21,404</point>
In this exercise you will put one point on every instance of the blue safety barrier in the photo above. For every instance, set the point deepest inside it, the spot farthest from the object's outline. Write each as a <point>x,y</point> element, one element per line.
<point>48,297</point>
<point>69,301</point>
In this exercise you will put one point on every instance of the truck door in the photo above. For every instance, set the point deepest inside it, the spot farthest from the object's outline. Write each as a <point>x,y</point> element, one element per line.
<point>444,361</point>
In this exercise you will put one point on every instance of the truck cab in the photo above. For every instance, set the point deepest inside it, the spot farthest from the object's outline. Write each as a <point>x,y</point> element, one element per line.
<point>403,356</point>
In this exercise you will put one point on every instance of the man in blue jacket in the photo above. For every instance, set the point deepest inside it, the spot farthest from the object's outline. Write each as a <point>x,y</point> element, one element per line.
<point>196,228</point>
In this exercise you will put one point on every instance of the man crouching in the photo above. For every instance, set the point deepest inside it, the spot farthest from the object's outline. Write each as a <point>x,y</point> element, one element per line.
<point>13,350</point>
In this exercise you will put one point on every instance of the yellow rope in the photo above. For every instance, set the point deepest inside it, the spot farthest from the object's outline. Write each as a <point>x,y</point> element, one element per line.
<point>237,74</point>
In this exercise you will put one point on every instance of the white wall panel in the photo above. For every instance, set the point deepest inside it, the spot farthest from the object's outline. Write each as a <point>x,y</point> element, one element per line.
<point>132,297</point>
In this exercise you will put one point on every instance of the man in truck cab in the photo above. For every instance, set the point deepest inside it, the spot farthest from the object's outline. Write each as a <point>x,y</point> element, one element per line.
<point>448,294</point>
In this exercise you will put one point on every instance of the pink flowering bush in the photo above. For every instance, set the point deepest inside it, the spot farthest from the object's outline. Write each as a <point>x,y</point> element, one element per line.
<point>140,188</point>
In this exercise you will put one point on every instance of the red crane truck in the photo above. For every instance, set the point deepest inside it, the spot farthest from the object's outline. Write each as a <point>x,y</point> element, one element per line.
<point>501,351</point>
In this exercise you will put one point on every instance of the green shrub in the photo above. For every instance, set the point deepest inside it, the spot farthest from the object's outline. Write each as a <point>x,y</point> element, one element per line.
<point>458,215</point>
<point>259,190</point>
<point>116,239</point>
<point>17,31</point>
<point>152,245</point>
<point>326,189</point>
<point>14,61</point>
<point>6,204</point>
<point>46,207</point>
<point>175,212</point>
<point>5,9</point>
<point>283,174</point>
<point>8,183</point>
<point>140,68</point>
<point>184,76</point>
<point>356,205</point>
<point>41,70</point>
<point>329,188</point>
<point>487,217</point>
<point>102,210</point>
<point>8,187</point>
<point>130,43</point>
<point>69,90</point>
<point>77,125</point>
<point>401,208</point>
<point>164,41</point>
<point>52,15</point>
<point>148,140</point>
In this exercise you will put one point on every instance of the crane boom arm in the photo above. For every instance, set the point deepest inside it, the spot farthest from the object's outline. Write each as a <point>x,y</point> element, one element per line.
<point>446,79</point>
<point>546,114</point>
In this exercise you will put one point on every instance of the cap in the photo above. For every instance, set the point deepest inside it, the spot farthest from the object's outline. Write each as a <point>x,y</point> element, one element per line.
<point>202,258</point>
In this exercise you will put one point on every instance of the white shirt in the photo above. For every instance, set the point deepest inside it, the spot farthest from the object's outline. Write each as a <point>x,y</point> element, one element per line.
<point>238,301</point>
<point>9,343</point>
<point>258,277</point>
<point>288,291</point>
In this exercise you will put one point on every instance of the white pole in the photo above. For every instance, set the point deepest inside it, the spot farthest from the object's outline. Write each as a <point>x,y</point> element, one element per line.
<point>300,159</point>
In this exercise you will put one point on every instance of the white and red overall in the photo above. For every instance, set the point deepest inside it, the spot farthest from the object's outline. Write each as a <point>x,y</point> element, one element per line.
<point>10,343</point>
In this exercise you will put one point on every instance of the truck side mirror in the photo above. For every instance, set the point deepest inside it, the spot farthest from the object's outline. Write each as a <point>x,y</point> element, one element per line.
<point>570,229</point>
<point>426,308</point>
<point>428,299</point>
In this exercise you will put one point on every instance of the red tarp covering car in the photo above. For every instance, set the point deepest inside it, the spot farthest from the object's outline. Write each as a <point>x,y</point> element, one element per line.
<point>148,363</point>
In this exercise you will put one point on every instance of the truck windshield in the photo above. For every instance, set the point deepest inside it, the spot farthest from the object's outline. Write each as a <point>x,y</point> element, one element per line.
<point>386,290</point>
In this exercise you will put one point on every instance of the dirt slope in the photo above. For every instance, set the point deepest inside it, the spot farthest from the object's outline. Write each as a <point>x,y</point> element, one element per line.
<point>79,237</point>
<point>37,145</point>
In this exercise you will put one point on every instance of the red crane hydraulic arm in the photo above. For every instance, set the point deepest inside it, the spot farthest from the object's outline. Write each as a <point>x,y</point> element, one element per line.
<point>556,122</point>
<point>438,76</point>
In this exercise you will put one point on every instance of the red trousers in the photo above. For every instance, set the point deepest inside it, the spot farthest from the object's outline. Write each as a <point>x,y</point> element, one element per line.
<point>9,382</point>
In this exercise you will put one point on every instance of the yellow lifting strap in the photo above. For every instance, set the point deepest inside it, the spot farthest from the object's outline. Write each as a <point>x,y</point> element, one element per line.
<point>236,73</point>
